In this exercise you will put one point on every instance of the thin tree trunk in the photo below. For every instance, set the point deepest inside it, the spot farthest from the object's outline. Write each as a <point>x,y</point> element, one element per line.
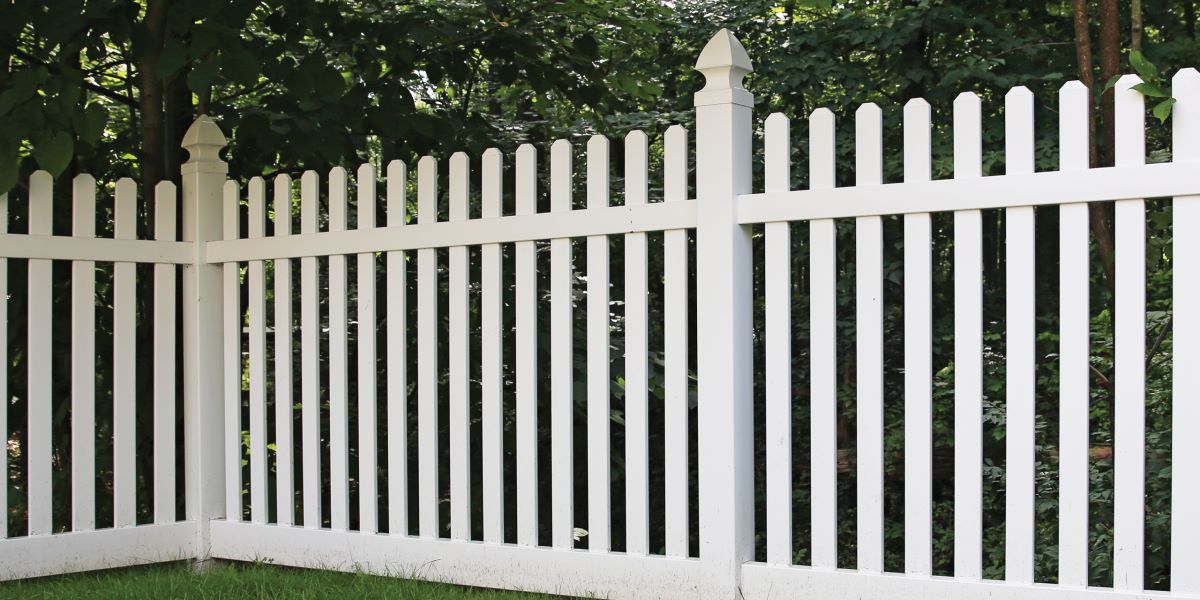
<point>1083,58</point>
<point>1098,213</point>
<point>1136,27</point>
<point>150,90</point>
<point>1110,67</point>
<point>178,119</point>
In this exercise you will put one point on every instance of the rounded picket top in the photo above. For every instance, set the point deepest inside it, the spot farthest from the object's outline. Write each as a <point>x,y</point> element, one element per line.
<point>1018,94</point>
<point>637,136</point>
<point>527,149</point>
<point>776,119</point>
<point>560,145</point>
<point>459,160</point>
<point>204,140</point>
<point>915,107</point>
<point>966,100</point>
<point>868,109</point>
<point>396,168</point>
<point>283,181</point>
<point>365,171</point>
<point>821,115</point>
<point>676,130</point>
<point>492,154</point>
<point>1186,75</point>
<point>1185,114</point>
<point>724,62</point>
<point>598,142</point>
<point>397,192</point>
<point>1073,86</point>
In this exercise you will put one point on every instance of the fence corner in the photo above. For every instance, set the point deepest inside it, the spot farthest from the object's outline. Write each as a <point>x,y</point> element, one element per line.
<point>203,179</point>
<point>724,311</point>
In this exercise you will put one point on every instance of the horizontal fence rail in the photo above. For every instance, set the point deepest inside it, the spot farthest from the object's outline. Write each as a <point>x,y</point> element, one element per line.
<point>570,369</point>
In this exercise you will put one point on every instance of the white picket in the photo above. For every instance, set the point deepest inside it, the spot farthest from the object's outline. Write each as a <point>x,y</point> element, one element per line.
<point>124,363</point>
<point>310,358</point>
<point>492,356</point>
<point>777,295</point>
<point>83,363</point>
<point>285,487</point>
<point>869,308</point>
<point>598,458</point>
<point>968,348</point>
<point>460,360</point>
<point>4,373</point>
<point>675,349</point>
<point>38,361</point>
<point>397,356</point>
<point>256,310</point>
<point>232,315</point>
<point>823,346</point>
<point>562,356</point>
<point>368,445</point>
<point>427,357</point>
<point>1185,281</point>
<point>1129,352</point>
<point>1019,344</point>
<point>339,451</point>
<point>526,359</point>
<point>1074,413</point>
<point>165,210</point>
<point>637,426</point>
<point>918,351</point>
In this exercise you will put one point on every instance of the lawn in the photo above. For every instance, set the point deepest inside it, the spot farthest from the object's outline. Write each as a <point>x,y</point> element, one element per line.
<point>229,581</point>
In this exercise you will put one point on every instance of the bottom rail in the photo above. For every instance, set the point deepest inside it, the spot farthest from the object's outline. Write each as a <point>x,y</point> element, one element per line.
<point>761,581</point>
<point>57,554</point>
<point>502,566</point>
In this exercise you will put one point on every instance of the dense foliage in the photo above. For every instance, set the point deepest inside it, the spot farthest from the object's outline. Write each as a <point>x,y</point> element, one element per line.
<point>109,86</point>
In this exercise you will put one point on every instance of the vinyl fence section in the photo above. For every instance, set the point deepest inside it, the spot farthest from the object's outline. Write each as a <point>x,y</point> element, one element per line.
<point>226,478</point>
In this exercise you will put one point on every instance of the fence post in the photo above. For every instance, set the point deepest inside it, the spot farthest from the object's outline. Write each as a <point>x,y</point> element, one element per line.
<point>203,179</point>
<point>723,305</point>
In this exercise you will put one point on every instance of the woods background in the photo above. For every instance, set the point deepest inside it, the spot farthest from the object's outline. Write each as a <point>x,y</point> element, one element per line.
<point>108,87</point>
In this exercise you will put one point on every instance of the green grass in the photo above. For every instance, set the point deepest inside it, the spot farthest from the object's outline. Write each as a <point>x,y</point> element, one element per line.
<point>240,580</point>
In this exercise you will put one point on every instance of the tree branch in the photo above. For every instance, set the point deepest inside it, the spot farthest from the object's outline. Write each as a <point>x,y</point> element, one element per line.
<point>53,68</point>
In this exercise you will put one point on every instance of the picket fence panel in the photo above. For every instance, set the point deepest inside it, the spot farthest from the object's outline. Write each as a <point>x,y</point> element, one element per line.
<point>466,308</point>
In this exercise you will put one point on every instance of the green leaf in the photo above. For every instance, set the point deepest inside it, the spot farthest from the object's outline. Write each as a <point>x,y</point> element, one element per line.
<point>172,58</point>
<point>1151,90</point>
<point>203,75</point>
<point>22,86</point>
<point>1144,67</point>
<point>1112,82</point>
<point>95,118</point>
<point>54,152</point>
<point>1162,110</point>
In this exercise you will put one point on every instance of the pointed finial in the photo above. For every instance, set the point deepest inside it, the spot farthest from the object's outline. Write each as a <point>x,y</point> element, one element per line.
<point>724,63</point>
<point>203,140</point>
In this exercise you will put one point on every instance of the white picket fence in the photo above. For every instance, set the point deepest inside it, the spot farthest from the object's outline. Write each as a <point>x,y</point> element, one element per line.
<point>232,342</point>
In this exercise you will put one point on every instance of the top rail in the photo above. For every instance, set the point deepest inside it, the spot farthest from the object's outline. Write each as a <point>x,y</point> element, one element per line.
<point>1000,191</point>
<point>611,220</point>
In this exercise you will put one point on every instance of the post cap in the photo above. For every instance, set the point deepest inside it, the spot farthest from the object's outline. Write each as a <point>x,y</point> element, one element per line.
<point>724,63</point>
<point>203,140</point>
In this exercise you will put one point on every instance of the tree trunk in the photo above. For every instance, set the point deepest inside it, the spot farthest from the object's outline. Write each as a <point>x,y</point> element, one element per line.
<point>178,119</point>
<point>1083,58</point>
<point>1135,25</point>
<point>150,94</point>
<point>1110,67</point>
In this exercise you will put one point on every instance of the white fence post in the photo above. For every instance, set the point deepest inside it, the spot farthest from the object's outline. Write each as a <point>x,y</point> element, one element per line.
<point>723,304</point>
<point>203,179</point>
